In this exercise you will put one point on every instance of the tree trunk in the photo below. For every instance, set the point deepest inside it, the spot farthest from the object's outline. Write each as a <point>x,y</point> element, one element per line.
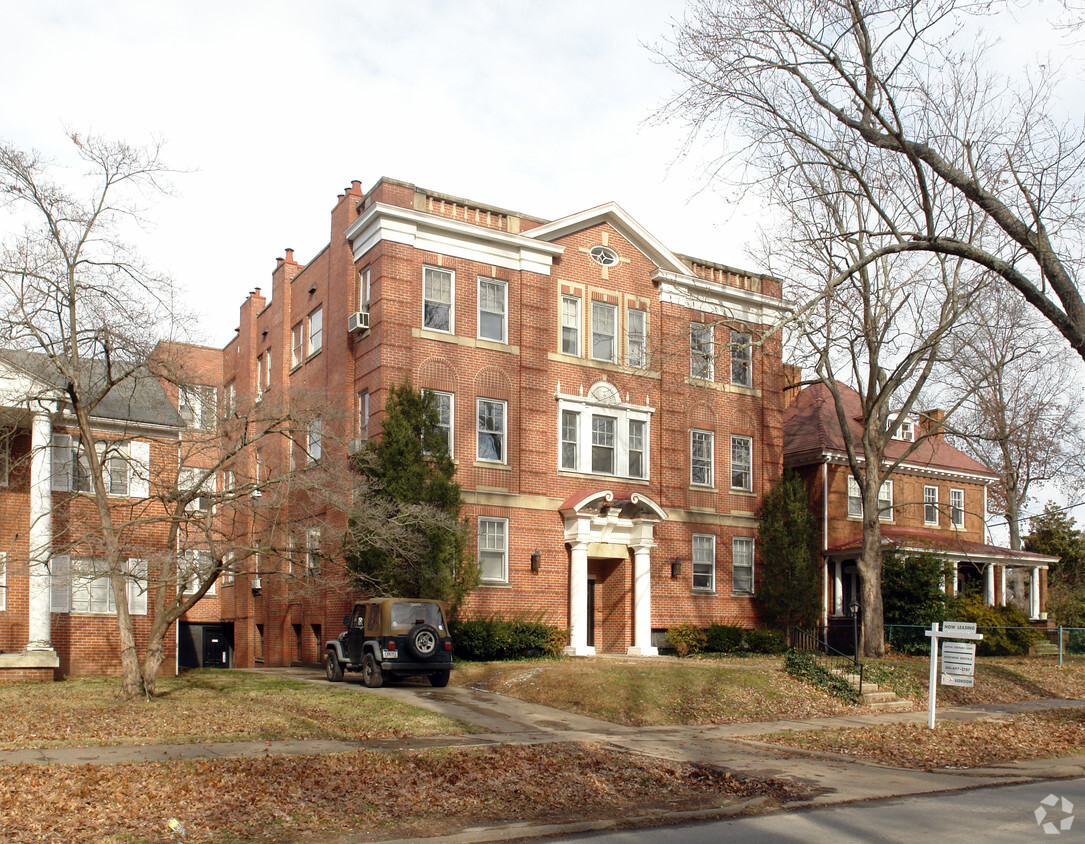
<point>870,577</point>
<point>1013,513</point>
<point>131,674</point>
<point>152,662</point>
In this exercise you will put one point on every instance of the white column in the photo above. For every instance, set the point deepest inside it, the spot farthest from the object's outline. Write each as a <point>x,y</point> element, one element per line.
<point>838,588</point>
<point>642,602</point>
<point>1034,593</point>
<point>1002,597</point>
<point>41,531</point>
<point>578,601</point>
<point>989,591</point>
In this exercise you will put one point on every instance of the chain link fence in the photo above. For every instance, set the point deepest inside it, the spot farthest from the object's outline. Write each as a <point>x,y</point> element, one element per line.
<point>1051,642</point>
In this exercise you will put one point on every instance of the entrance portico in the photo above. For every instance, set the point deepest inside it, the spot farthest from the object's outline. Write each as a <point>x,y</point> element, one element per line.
<point>609,525</point>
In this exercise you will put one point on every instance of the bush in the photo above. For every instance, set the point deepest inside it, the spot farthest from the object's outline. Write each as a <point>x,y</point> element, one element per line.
<point>493,638</point>
<point>723,638</point>
<point>687,639</point>
<point>996,642</point>
<point>802,666</point>
<point>765,641</point>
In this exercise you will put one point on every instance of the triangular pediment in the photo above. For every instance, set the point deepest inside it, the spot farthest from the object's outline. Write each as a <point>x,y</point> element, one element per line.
<point>623,223</point>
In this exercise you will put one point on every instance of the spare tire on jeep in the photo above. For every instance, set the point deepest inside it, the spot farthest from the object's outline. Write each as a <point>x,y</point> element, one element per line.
<point>422,641</point>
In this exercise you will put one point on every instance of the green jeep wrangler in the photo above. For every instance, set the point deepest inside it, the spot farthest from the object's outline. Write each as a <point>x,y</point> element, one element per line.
<point>388,638</point>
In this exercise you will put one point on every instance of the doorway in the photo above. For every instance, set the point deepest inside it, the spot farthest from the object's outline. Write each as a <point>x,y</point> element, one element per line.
<point>591,612</point>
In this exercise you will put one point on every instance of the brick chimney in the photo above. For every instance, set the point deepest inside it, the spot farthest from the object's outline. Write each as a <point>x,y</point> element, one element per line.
<point>932,421</point>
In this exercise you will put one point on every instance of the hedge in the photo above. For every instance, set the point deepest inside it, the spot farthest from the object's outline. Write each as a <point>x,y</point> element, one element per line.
<point>496,638</point>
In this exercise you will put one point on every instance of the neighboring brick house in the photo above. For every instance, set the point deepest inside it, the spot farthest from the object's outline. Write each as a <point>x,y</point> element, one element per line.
<point>614,416</point>
<point>936,500</point>
<point>57,615</point>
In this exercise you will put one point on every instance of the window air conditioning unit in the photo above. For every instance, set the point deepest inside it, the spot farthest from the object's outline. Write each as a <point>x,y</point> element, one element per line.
<point>256,585</point>
<point>358,322</point>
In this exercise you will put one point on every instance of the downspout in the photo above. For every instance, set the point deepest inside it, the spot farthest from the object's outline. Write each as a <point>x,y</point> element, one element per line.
<point>825,540</point>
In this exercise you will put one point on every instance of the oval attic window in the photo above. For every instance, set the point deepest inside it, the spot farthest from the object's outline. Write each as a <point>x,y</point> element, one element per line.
<point>604,255</point>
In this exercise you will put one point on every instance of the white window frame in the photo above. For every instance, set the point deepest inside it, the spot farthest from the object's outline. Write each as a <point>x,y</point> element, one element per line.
<point>746,556</point>
<point>312,552</point>
<point>65,579</point>
<point>599,329</point>
<point>704,562</point>
<point>705,462</point>
<point>930,505</point>
<point>297,343</point>
<point>702,365</point>
<point>195,560</point>
<point>313,440</point>
<point>363,290</point>
<point>429,300</point>
<point>741,359</point>
<point>956,508</point>
<point>576,438</point>
<point>636,337</point>
<point>441,400</point>
<point>498,434</point>
<point>186,481</point>
<point>570,328</point>
<point>196,406</point>
<point>315,329</point>
<point>569,439</point>
<point>885,501</point>
<point>363,414</point>
<point>637,445</point>
<point>604,435</point>
<point>855,498</point>
<point>743,473</point>
<point>503,334</point>
<point>493,548</point>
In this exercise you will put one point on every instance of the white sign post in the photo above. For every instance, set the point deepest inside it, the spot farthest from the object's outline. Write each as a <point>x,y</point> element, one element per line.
<point>958,659</point>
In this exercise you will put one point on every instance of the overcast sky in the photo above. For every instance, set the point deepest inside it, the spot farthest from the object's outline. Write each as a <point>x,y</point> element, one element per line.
<point>274,107</point>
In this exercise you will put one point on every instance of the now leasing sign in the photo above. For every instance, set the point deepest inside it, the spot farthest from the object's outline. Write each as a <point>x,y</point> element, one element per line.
<point>958,658</point>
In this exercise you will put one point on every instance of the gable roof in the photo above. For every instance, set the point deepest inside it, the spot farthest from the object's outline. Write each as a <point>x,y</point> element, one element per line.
<point>812,431</point>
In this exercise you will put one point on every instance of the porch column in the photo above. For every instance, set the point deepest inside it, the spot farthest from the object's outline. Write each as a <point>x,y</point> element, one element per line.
<point>838,588</point>
<point>989,586</point>
<point>578,600</point>
<point>1002,592</point>
<point>642,602</point>
<point>1034,593</point>
<point>41,531</point>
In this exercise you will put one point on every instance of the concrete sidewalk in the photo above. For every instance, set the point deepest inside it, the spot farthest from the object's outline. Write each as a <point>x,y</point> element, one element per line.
<point>505,720</point>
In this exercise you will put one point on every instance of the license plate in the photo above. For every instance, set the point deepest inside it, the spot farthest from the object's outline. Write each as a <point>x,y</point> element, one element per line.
<point>388,654</point>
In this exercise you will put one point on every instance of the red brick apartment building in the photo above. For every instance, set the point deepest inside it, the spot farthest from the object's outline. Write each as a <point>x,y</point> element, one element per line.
<point>935,501</point>
<point>614,417</point>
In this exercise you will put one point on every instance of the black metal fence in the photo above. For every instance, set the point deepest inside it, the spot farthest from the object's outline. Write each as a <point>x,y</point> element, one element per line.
<point>826,656</point>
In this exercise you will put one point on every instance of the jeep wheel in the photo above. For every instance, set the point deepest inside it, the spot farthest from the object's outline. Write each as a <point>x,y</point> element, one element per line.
<point>332,667</point>
<point>422,641</point>
<point>371,672</point>
<point>439,679</point>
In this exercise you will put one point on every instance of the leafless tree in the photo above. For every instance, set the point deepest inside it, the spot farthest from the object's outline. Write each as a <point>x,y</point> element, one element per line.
<point>906,102</point>
<point>1021,415</point>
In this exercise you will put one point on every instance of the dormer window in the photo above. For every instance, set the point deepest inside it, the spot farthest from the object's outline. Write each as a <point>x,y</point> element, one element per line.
<point>905,432</point>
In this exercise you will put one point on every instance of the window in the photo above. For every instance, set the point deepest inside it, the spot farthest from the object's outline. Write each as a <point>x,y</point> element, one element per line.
<point>443,403</point>
<point>602,444</point>
<point>930,505</point>
<point>637,466</point>
<point>189,480</point>
<point>700,351</point>
<point>704,562</point>
<point>700,458</point>
<point>491,430</point>
<point>885,500</point>
<point>5,456</point>
<point>314,440</point>
<point>363,290</point>
<point>604,331</point>
<point>363,414</point>
<point>227,576</point>
<point>297,344</point>
<point>493,549</point>
<point>194,568</point>
<point>312,552</point>
<point>636,338</point>
<point>742,463</point>
<point>229,398</point>
<point>855,498</point>
<point>570,438</point>
<point>3,580</point>
<point>115,464</point>
<point>196,405</point>
<point>437,299</point>
<point>742,565</point>
<point>316,331</point>
<point>124,466</point>
<point>261,471</point>
<point>956,507</point>
<point>82,585</point>
<point>260,377</point>
<point>741,366</point>
<point>492,306</point>
<point>905,432</point>
<point>570,325</point>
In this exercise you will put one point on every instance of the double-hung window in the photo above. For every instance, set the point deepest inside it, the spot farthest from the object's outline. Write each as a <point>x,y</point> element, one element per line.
<point>83,586</point>
<point>570,440</point>
<point>314,440</point>
<point>437,286</point>
<point>956,507</point>
<point>637,433</point>
<point>636,338</point>
<point>493,549</point>
<point>930,505</point>
<point>604,331</point>
<point>742,463</point>
<point>492,309</point>
<point>297,344</point>
<point>491,430</point>
<point>602,444</point>
<point>442,402</point>
<point>855,498</point>
<point>700,457</point>
<point>704,562</point>
<point>363,414</point>
<point>742,565</point>
<point>700,351</point>
<point>312,552</point>
<point>316,330</point>
<point>885,500</point>
<point>741,365</point>
<point>570,325</point>
<point>196,405</point>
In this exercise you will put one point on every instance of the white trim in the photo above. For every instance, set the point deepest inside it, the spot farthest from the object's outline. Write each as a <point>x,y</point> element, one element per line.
<point>503,551</point>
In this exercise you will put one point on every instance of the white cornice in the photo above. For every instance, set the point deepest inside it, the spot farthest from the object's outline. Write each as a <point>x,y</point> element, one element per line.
<point>722,300</point>
<point>839,458</point>
<point>444,236</point>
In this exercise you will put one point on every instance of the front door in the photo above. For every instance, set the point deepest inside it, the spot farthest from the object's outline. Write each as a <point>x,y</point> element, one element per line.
<point>216,649</point>
<point>591,612</point>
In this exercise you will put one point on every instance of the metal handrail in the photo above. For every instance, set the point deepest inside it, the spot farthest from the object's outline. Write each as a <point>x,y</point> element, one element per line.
<point>828,657</point>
